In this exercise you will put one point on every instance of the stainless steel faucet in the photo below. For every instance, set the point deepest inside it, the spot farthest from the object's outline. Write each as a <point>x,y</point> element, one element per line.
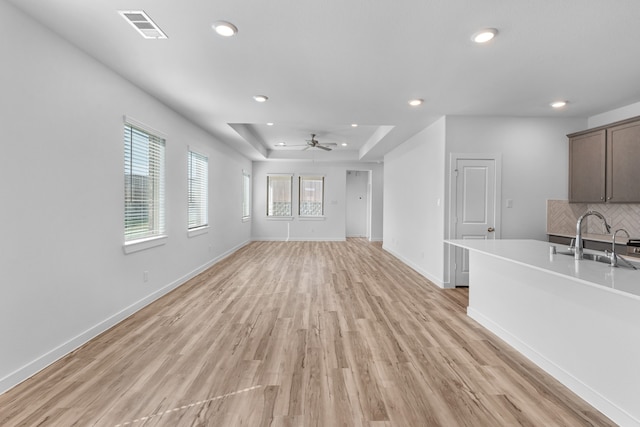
<point>579,251</point>
<point>613,255</point>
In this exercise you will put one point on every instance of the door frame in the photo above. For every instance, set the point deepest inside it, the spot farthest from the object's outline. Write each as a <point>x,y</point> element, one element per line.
<point>453,189</point>
<point>369,208</point>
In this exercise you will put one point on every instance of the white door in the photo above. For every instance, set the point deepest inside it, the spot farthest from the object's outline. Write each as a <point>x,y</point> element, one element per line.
<point>475,213</point>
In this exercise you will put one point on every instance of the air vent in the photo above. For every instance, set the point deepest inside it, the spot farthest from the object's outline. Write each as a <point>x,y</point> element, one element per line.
<point>143,24</point>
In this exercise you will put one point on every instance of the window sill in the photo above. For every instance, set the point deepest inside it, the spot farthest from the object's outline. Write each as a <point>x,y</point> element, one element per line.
<point>198,231</point>
<point>279,218</point>
<point>311,218</point>
<point>142,244</point>
<point>246,219</point>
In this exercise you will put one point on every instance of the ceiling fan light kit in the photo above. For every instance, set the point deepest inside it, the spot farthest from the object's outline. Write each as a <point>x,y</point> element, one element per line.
<point>313,143</point>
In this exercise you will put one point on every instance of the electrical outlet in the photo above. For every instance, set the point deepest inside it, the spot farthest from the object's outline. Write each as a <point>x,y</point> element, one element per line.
<point>145,276</point>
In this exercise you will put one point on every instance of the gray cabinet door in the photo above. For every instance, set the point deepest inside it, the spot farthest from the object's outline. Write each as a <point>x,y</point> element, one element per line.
<point>623,161</point>
<point>587,162</point>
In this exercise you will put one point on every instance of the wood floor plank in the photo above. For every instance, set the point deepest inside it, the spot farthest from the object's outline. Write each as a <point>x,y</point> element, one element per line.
<point>288,334</point>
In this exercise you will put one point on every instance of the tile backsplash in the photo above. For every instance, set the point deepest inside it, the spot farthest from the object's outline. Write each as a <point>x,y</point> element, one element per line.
<point>562,217</point>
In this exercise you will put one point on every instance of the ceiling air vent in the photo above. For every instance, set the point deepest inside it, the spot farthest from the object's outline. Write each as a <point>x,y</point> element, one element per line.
<point>143,24</point>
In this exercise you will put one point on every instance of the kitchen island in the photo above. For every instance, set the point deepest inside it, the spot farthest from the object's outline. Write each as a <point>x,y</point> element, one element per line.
<point>577,320</point>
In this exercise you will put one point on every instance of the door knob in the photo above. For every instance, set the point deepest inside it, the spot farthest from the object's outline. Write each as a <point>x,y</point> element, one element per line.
<point>491,229</point>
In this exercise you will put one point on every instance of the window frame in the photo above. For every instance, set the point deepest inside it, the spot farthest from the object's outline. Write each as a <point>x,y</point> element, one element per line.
<point>202,184</point>
<point>268,198</point>
<point>246,196</point>
<point>155,159</point>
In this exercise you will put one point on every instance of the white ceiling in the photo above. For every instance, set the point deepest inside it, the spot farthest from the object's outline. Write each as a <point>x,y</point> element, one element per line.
<point>327,64</point>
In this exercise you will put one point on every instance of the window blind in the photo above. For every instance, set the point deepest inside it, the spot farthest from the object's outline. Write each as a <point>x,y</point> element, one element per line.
<point>279,195</point>
<point>311,196</point>
<point>144,209</point>
<point>198,190</point>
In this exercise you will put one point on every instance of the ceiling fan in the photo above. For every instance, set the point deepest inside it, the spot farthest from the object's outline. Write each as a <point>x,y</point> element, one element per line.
<point>314,143</point>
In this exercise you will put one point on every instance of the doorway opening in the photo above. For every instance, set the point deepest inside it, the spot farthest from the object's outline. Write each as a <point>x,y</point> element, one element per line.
<point>358,204</point>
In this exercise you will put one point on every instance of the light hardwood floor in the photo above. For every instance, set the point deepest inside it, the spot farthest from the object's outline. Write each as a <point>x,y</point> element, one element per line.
<point>298,334</point>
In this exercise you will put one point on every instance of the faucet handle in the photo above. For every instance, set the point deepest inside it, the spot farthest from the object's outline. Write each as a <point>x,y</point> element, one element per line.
<point>573,243</point>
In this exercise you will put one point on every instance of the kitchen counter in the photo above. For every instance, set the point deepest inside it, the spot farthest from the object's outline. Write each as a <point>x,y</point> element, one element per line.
<point>577,320</point>
<point>535,254</point>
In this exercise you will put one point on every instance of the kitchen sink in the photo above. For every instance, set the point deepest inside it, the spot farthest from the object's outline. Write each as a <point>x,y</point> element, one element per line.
<point>597,257</point>
<point>601,257</point>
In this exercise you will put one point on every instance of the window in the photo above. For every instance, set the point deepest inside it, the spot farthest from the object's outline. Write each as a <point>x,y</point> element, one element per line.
<point>246,195</point>
<point>144,214</point>
<point>279,195</point>
<point>198,190</point>
<point>311,196</point>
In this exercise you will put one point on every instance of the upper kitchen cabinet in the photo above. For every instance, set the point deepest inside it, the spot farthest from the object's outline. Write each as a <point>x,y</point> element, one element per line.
<point>623,159</point>
<point>587,166</point>
<point>603,162</point>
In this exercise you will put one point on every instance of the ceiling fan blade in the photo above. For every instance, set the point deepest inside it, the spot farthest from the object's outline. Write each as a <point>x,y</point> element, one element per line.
<point>306,148</point>
<point>323,147</point>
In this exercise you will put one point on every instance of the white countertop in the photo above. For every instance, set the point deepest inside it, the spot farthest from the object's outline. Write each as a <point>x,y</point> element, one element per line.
<point>535,254</point>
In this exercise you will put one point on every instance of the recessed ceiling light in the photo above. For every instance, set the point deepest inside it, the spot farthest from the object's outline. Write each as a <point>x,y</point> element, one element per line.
<point>558,104</point>
<point>260,98</point>
<point>484,35</point>
<point>269,124</point>
<point>224,28</point>
<point>354,125</point>
<point>344,144</point>
<point>416,102</point>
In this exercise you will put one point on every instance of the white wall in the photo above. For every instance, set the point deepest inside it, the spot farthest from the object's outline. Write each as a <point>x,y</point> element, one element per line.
<point>63,275</point>
<point>622,113</point>
<point>534,168</point>
<point>414,192</point>
<point>333,227</point>
<point>535,163</point>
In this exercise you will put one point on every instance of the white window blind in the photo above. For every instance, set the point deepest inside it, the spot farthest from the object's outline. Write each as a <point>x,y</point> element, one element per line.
<point>279,195</point>
<point>311,196</point>
<point>246,195</point>
<point>144,201</point>
<point>198,190</point>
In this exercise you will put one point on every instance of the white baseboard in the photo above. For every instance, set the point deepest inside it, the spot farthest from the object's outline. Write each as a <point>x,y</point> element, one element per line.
<point>427,275</point>
<point>585,392</point>
<point>28,370</point>
<point>299,239</point>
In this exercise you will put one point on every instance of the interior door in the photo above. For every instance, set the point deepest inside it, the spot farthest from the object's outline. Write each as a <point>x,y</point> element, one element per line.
<point>475,213</point>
